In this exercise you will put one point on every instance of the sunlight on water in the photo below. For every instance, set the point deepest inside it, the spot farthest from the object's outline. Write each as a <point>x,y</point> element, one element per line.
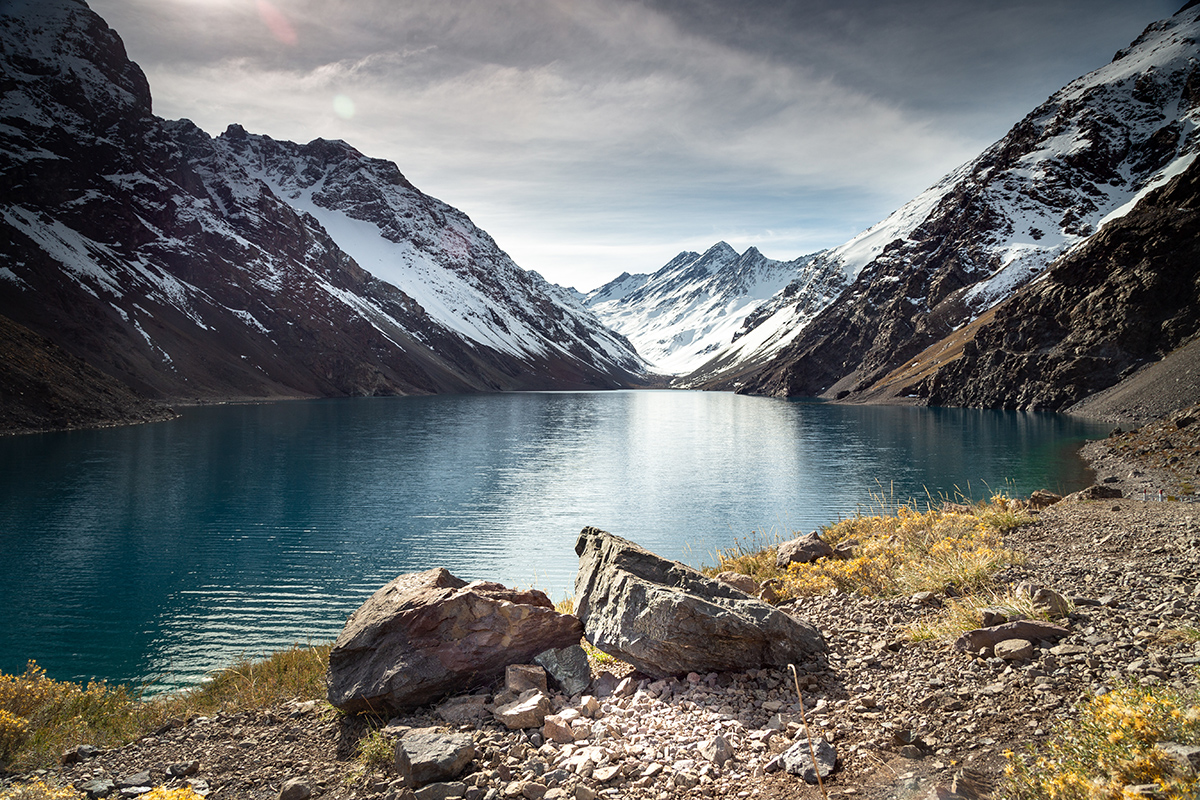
<point>157,553</point>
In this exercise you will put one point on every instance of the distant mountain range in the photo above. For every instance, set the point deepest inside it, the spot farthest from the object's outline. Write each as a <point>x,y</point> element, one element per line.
<point>855,322</point>
<point>143,260</point>
<point>192,268</point>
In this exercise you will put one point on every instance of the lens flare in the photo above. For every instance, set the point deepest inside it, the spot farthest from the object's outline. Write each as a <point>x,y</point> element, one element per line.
<point>276,22</point>
<point>343,106</point>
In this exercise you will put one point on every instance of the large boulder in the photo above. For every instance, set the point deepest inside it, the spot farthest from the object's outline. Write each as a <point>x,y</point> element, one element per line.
<point>429,634</point>
<point>665,618</point>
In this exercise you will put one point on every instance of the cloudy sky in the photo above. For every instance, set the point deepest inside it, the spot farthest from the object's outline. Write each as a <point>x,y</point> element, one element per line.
<point>591,137</point>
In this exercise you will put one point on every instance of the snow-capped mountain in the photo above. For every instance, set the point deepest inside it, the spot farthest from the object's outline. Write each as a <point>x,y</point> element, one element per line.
<point>697,305</point>
<point>190,267</point>
<point>1079,161</point>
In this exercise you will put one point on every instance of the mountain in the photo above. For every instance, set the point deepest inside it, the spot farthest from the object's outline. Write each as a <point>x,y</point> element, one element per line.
<point>193,268</point>
<point>696,306</point>
<point>1079,163</point>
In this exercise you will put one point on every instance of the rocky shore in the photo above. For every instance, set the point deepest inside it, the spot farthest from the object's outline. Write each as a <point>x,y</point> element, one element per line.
<point>908,719</point>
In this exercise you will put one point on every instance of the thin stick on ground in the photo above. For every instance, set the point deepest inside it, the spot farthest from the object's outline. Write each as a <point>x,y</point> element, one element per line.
<point>812,753</point>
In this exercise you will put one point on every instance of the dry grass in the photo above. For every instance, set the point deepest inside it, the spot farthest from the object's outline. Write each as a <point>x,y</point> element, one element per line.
<point>41,717</point>
<point>963,614</point>
<point>1111,746</point>
<point>954,545</point>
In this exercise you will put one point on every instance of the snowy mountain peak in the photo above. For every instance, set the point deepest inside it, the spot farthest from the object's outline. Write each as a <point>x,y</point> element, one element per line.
<point>693,307</point>
<point>191,266</point>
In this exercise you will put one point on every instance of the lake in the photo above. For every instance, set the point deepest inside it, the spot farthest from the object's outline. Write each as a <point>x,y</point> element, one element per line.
<point>156,553</point>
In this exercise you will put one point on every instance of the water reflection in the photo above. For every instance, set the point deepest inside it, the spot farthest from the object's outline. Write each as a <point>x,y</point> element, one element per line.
<point>156,553</point>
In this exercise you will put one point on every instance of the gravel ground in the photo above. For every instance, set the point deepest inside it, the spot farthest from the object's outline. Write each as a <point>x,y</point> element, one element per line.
<point>906,718</point>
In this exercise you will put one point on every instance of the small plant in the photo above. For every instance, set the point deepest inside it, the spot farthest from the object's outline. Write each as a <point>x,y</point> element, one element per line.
<point>40,791</point>
<point>911,551</point>
<point>41,717</point>
<point>163,793</point>
<point>1113,745</point>
<point>375,751</point>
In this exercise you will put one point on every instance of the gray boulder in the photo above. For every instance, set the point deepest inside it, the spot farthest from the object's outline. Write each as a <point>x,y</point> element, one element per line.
<point>666,618</point>
<point>429,634</point>
<point>435,756</point>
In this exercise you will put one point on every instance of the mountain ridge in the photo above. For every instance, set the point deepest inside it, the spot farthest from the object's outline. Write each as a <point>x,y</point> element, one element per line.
<point>177,263</point>
<point>1084,158</point>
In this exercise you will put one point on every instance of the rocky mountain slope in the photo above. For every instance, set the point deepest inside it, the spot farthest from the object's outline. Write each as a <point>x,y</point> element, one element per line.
<point>1081,160</point>
<point>192,268</point>
<point>1127,298</point>
<point>696,305</point>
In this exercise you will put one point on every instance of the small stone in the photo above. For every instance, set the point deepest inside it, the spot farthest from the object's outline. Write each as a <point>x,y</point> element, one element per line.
<point>136,779</point>
<point>584,793</point>
<point>437,756</point>
<point>519,678</point>
<point>442,791</point>
<point>83,752</point>
<point>295,789</point>
<point>910,751</point>
<point>1014,649</point>
<point>1185,755</point>
<point>527,711</point>
<point>743,583</point>
<point>717,750</point>
<point>798,760</point>
<point>183,769</point>
<point>100,787</point>
<point>606,774</point>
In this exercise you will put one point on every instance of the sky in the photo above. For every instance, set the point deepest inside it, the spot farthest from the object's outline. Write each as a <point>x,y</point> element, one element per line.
<point>595,137</point>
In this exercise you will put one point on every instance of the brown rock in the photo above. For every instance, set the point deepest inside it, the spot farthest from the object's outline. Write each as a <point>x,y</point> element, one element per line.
<point>973,641</point>
<point>429,634</point>
<point>803,550</point>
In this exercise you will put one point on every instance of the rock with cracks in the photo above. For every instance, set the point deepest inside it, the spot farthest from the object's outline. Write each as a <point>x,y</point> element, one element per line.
<point>429,634</point>
<point>667,619</point>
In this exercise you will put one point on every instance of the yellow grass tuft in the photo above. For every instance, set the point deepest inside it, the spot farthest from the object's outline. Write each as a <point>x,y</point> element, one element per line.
<point>1111,746</point>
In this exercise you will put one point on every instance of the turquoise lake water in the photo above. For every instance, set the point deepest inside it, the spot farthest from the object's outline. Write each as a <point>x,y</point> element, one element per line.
<point>156,553</point>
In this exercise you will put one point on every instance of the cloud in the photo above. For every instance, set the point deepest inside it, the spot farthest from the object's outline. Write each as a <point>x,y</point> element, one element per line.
<point>594,128</point>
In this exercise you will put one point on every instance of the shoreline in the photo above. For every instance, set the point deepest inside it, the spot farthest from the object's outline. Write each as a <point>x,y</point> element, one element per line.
<point>1131,567</point>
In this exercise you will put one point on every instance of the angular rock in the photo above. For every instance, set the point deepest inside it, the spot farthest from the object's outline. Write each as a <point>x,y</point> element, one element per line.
<point>527,711</point>
<point>797,759</point>
<point>1014,649</point>
<point>666,619</point>
<point>520,678</point>
<point>718,750</point>
<point>991,617</point>
<point>295,789</point>
<point>98,787</point>
<point>437,756</point>
<point>1043,499</point>
<point>464,709</point>
<point>973,641</point>
<point>743,583</point>
<point>1052,602</point>
<point>801,550</point>
<point>441,791</point>
<point>79,753</point>
<point>557,729</point>
<point>429,634</point>
<point>569,668</point>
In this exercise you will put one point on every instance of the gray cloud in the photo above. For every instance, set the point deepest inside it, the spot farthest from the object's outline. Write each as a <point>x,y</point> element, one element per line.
<point>595,136</point>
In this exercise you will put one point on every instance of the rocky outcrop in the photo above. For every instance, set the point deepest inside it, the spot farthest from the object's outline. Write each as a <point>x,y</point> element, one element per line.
<point>429,634</point>
<point>667,619</point>
<point>1127,298</point>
